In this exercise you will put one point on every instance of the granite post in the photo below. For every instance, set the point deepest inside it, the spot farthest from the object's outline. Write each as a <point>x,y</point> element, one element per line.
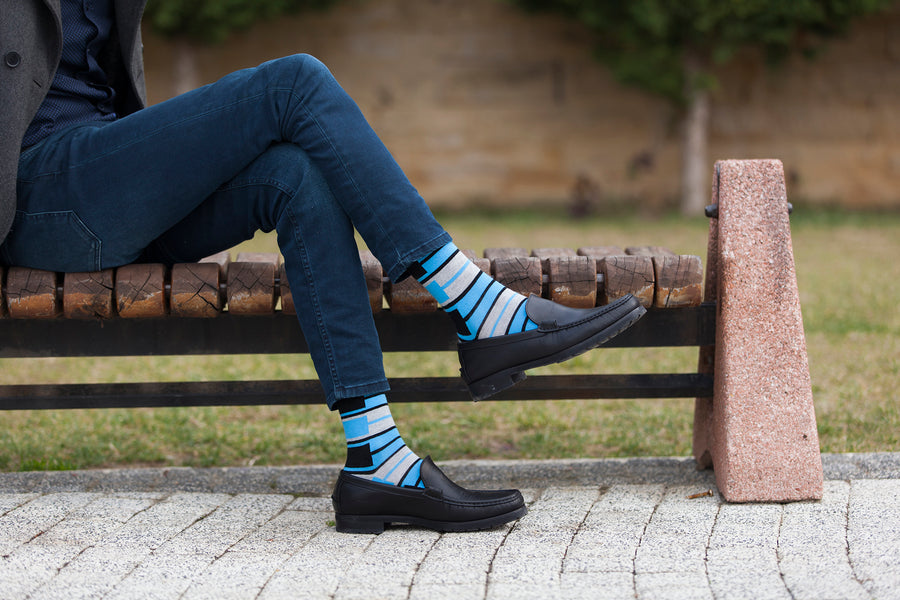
<point>759,430</point>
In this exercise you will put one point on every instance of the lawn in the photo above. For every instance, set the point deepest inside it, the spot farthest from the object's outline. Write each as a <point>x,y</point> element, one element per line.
<point>849,278</point>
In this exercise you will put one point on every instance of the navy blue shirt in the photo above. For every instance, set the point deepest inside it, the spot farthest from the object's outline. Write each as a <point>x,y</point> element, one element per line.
<point>80,92</point>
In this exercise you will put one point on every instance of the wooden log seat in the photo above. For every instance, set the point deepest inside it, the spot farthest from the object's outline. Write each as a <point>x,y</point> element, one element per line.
<point>245,306</point>
<point>255,284</point>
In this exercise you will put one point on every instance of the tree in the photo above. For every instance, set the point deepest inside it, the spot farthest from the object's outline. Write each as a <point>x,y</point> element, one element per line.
<point>670,48</point>
<point>212,21</point>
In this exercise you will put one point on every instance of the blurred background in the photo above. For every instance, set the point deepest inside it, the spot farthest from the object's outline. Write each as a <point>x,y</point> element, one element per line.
<point>582,103</point>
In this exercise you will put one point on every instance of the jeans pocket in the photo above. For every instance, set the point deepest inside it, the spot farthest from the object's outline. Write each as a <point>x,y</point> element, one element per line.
<point>55,241</point>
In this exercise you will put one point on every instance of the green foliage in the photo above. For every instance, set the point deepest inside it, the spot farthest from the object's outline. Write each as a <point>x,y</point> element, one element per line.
<point>662,45</point>
<point>213,21</point>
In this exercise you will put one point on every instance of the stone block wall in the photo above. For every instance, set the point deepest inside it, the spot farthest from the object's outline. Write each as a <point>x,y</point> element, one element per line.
<point>482,103</point>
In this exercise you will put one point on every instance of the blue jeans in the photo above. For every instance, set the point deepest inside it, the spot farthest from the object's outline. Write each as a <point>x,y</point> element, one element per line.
<point>280,146</point>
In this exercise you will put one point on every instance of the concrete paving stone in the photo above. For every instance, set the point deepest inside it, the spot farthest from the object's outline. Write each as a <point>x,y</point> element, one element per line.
<point>29,567</point>
<point>36,516</point>
<point>447,591</point>
<point>630,498</point>
<point>376,591</point>
<point>629,524</point>
<point>505,590</point>
<point>93,522</point>
<point>90,574</point>
<point>873,536</point>
<point>589,552</point>
<point>812,548</point>
<point>885,587</point>
<point>115,508</point>
<point>691,545</point>
<point>534,544</point>
<point>180,508</point>
<point>662,561</point>
<point>460,558</point>
<point>314,572</point>
<point>603,561</point>
<point>310,503</point>
<point>153,527</point>
<point>530,572</point>
<point>686,495</point>
<point>234,577</point>
<point>740,580</point>
<point>747,526</point>
<point>566,507</point>
<point>286,533</point>
<point>807,578</point>
<point>677,586</point>
<point>754,556</point>
<point>9,502</point>
<point>389,561</point>
<point>227,524</point>
<point>669,519</point>
<point>76,534</point>
<point>597,586</point>
<point>161,576</point>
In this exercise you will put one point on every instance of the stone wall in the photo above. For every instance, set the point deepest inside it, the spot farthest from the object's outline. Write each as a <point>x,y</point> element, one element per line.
<point>481,103</point>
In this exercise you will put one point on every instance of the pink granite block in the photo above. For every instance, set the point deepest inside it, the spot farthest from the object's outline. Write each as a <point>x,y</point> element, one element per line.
<point>759,431</point>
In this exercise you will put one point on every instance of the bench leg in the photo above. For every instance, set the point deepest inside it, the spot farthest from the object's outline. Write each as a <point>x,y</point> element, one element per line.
<point>759,430</point>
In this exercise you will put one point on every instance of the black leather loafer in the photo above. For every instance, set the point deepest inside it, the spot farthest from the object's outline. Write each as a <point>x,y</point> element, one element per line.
<point>363,506</point>
<point>491,365</point>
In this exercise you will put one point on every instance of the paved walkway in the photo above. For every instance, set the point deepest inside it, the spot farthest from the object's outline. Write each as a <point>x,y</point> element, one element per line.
<point>644,528</point>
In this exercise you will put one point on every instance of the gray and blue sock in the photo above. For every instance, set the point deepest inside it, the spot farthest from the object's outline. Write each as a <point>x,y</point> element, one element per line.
<point>375,450</point>
<point>480,306</point>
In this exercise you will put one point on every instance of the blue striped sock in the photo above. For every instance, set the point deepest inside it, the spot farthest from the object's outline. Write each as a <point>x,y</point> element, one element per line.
<point>375,450</point>
<point>480,306</point>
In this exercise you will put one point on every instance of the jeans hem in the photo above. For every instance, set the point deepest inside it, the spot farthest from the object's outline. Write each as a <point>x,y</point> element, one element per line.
<point>356,391</point>
<point>398,271</point>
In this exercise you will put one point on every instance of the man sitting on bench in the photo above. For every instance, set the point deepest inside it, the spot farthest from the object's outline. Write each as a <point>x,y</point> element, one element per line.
<point>90,179</point>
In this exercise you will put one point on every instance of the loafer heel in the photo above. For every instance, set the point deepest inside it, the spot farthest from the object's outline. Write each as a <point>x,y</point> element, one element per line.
<point>487,387</point>
<point>358,524</point>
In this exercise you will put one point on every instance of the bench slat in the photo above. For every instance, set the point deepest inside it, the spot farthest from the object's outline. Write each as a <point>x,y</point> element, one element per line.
<point>679,281</point>
<point>140,291</point>
<point>251,286</point>
<point>31,294</point>
<point>572,280</point>
<point>195,290</point>
<point>624,275</point>
<point>520,274</point>
<point>89,295</point>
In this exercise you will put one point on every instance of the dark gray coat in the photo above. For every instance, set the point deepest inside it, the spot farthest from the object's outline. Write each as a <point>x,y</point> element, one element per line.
<point>30,47</point>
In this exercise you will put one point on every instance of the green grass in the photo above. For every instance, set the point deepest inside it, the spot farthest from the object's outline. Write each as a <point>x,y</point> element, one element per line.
<point>849,277</point>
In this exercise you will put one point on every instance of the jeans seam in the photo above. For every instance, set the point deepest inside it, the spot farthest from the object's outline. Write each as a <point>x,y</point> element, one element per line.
<point>314,301</point>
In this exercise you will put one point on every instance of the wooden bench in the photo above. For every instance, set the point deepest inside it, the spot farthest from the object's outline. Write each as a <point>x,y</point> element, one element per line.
<point>245,307</point>
<point>218,306</point>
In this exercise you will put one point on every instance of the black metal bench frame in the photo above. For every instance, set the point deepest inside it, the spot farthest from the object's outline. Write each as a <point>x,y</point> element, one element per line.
<point>280,334</point>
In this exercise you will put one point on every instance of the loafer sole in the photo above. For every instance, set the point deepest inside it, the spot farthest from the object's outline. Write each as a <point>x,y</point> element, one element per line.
<point>505,379</point>
<point>376,523</point>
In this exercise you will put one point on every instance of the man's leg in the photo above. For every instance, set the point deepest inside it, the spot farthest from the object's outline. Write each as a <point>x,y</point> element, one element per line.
<point>282,190</point>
